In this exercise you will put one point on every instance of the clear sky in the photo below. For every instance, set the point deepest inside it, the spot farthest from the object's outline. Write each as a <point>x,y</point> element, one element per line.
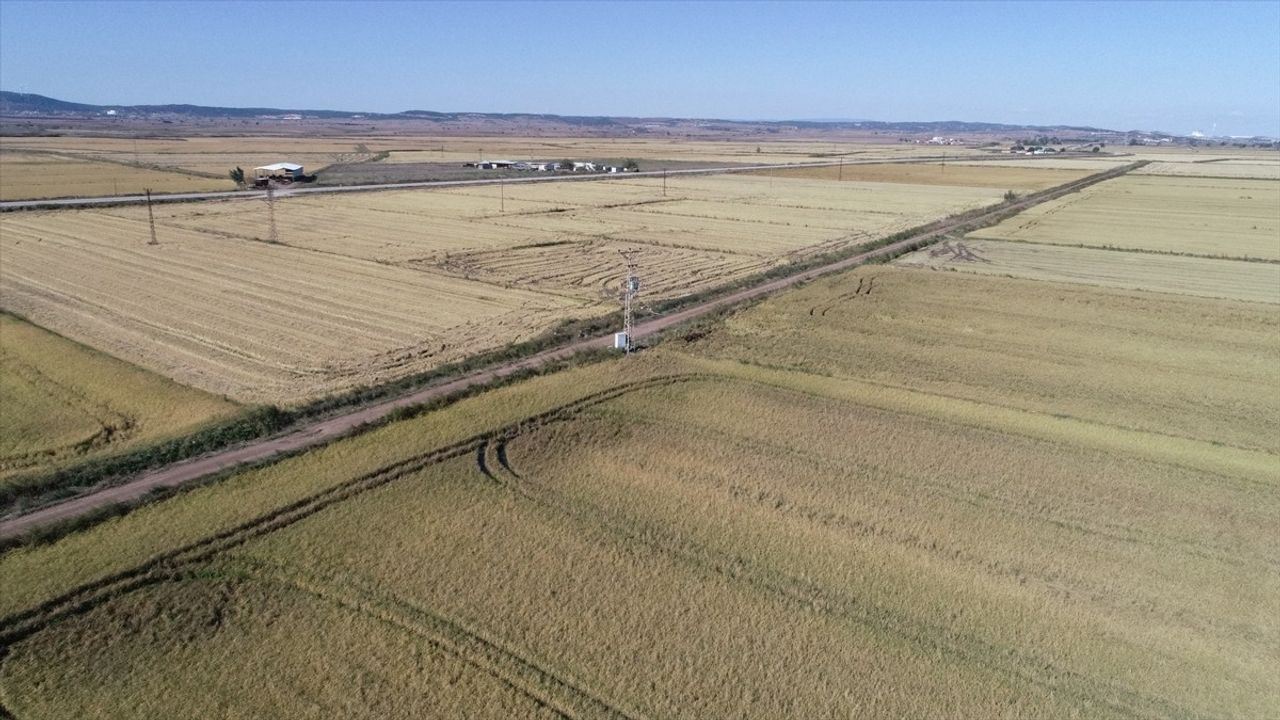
<point>1177,67</point>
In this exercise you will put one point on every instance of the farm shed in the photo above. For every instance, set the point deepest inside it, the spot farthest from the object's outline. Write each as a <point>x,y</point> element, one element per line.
<point>293,171</point>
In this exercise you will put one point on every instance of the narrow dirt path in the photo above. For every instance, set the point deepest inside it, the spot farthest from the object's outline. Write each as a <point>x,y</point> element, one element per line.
<point>322,432</point>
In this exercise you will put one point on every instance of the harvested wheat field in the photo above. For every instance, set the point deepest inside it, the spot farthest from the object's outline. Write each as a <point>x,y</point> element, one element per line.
<point>367,287</point>
<point>255,321</point>
<point>25,175</point>
<point>1206,277</point>
<point>1212,217</point>
<point>1254,169</point>
<point>1025,176</point>
<point>890,493</point>
<point>61,402</point>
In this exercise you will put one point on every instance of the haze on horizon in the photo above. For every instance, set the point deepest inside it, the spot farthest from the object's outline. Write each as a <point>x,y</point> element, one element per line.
<point>1212,68</point>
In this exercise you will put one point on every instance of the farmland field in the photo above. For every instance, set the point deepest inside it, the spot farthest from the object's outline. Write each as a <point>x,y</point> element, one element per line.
<point>1255,169</point>
<point>1020,176</point>
<point>46,167</point>
<point>890,493</point>
<point>1197,216</point>
<point>1207,277</point>
<point>366,287</point>
<point>34,175</point>
<point>63,402</point>
<point>254,321</point>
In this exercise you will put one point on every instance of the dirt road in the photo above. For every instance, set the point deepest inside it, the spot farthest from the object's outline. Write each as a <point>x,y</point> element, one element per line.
<point>323,431</point>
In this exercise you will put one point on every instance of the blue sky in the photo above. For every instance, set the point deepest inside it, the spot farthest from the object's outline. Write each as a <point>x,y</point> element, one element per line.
<point>1177,67</point>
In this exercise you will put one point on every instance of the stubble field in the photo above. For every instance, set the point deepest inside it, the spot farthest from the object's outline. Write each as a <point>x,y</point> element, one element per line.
<point>1211,217</point>
<point>1206,277</point>
<point>1020,176</point>
<point>39,175</point>
<point>372,286</point>
<point>890,493</point>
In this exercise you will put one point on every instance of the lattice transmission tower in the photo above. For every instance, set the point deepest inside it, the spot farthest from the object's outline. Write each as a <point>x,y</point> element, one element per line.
<point>630,291</point>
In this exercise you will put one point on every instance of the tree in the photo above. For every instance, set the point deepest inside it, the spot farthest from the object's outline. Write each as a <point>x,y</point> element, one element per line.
<point>1010,196</point>
<point>1096,149</point>
<point>631,165</point>
<point>565,165</point>
<point>237,176</point>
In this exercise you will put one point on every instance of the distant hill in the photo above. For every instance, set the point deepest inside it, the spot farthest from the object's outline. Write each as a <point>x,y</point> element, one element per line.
<point>31,105</point>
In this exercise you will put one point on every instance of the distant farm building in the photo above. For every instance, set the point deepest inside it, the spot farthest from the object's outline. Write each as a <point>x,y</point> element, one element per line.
<point>286,170</point>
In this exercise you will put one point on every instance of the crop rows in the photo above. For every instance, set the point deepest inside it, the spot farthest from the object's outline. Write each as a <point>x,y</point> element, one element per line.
<point>250,320</point>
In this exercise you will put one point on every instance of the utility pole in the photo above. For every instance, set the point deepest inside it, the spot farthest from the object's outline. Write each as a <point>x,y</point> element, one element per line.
<point>841,176</point>
<point>272,236</point>
<point>664,182</point>
<point>502,195</point>
<point>151,218</point>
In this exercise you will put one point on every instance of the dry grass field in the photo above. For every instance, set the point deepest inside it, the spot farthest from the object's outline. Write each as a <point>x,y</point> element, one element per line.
<point>63,402</point>
<point>1020,176</point>
<point>41,175</point>
<point>365,287</point>
<point>890,493</point>
<point>1206,277</point>
<point>1210,217</point>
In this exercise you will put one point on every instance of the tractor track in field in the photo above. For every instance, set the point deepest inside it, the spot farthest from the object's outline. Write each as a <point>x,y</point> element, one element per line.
<point>175,563</point>
<point>342,425</point>
<point>506,665</point>
<point>181,563</point>
<point>809,596</point>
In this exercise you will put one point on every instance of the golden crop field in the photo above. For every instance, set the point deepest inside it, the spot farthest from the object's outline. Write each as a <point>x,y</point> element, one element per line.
<point>1255,169</point>
<point>1198,216</point>
<point>892,493</point>
<point>254,321</point>
<point>371,286</point>
<point>40,175</point>
<point>1025,176</point>
<point>1075,162</point>
<point>63,402</point>
<point>1206,277</point>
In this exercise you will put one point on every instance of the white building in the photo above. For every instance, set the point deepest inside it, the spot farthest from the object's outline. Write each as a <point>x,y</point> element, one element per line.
<point>293,171</point>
